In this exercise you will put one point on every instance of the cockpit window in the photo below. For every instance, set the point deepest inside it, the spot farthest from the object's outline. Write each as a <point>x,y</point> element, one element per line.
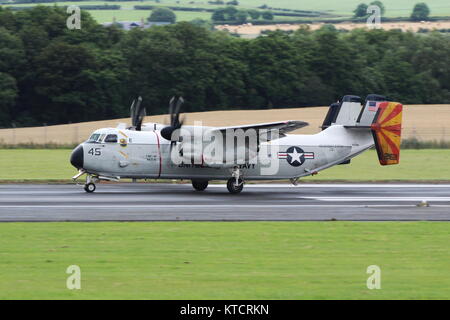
<point>94,137</point>
<point>111,138</point>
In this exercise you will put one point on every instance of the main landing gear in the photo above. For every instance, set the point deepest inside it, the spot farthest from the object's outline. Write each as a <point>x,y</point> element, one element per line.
<point>235,187</point>
<point>200,185</point>
<point>236,183</point>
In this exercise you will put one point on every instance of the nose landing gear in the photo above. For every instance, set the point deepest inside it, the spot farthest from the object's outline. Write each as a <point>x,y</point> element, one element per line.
<point>91,180</point>
<point>89,187</point>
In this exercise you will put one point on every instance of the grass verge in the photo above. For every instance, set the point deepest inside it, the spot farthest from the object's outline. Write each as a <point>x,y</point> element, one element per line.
<point>38,165</point>
<point>210,260</point>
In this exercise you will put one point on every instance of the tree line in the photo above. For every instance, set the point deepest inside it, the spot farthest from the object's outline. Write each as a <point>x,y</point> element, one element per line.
<point>52,75</point>
<point>231,14</point>
<point>420,12</point>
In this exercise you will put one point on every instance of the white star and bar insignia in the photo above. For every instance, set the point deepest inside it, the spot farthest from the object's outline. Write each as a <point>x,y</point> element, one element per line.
<point>295,156</point>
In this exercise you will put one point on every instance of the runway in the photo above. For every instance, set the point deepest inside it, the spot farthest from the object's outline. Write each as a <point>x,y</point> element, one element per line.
<point>268,202</point>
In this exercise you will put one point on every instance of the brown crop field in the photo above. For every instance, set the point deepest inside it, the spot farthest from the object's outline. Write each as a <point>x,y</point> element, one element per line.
<point>254,30</point>
<point>424,122</point>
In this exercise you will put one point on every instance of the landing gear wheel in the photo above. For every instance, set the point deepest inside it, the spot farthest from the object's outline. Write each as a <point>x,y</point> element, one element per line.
<point>232,188</point>
<point>89,187</point>
<point>200,185</point>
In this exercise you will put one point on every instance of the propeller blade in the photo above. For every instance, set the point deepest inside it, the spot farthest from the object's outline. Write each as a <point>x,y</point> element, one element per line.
<point>138,104</point>
<point>140,114</point>
<point>133,112</point>
<point>177,109</point>
<point>171,107</point>
<point>175,122</point>
<point>137,114</point>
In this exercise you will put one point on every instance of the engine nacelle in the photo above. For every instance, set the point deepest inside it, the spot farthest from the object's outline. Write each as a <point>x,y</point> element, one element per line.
<point>153,126</point>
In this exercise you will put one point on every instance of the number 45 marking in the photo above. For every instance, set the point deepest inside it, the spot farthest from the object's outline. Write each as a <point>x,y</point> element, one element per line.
<point>95,152</point>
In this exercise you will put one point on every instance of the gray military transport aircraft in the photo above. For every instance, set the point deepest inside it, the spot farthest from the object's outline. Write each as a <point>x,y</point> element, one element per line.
<point>242,153</point>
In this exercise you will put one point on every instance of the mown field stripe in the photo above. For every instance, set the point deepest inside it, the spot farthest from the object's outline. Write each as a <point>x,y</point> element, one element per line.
<point>248,260</point>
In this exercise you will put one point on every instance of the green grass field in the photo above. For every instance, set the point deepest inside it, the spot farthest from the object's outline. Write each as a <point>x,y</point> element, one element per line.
<point>127,13</point>
<point>255,260</point>
<point>394,8</point>
<point>103,16</point>
<point>30,164</point>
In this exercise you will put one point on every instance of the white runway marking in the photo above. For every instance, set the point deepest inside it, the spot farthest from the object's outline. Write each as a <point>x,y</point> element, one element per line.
<point>256,186</point>
<point>209,206</point>
<point>36,192</point>
<point>343,185</point>
<point>379,199</point>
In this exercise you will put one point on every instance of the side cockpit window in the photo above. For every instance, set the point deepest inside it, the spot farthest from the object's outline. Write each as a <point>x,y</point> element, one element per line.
<point>94,137</point>
<point>112,138</point>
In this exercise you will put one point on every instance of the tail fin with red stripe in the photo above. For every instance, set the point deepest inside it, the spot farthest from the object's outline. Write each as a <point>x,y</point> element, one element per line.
<point>386,130</point>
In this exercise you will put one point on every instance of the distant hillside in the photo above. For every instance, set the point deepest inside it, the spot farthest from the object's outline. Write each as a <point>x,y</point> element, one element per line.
<point>127,12</point>
<point>394,8</point>
<point>424,122</point>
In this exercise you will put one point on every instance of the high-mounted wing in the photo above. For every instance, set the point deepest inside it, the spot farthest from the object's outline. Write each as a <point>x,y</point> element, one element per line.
<point>240,151</point>
<point>283,127</point>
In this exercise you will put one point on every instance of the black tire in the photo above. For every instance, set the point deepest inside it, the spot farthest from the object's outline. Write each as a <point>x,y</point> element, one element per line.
<point>200,185</point>
<point>232,188</point>
<point>89,187</point>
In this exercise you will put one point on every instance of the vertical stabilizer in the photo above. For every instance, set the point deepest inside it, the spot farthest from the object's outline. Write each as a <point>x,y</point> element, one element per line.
<point>369,111</point>
<point>343,113</point>
<point>349,110</point>
<point>386,130</point>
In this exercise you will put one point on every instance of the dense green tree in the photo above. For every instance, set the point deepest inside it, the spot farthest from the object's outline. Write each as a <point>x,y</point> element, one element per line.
<point>230,14</point>
<point>182,60</point>
<point>361,10</point>
<point>241,17</point>
<point>254,14</point>
<point>278,71</point>
<point>398,74</point>
<point>380,5</point>
<point>267,15</point>
<point>432,58</point>
<point>12,55</point>
<point>77,83</point>
<point>51,19</point>
<point>420,12</point>
<point>218,15</point>
<point>8,95</point>
<point>49,74</point>
<point>7,19</point>
<point>203,23</point>
<point>162,15</point>
<point>34,39</point>
<point>63,83</point>
<point>335,61</point>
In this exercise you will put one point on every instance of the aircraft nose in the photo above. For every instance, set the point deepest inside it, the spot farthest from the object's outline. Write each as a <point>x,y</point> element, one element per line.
<point>77,157</point>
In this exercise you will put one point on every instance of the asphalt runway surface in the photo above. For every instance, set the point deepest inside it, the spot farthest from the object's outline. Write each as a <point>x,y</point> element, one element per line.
<point>178,202</point>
